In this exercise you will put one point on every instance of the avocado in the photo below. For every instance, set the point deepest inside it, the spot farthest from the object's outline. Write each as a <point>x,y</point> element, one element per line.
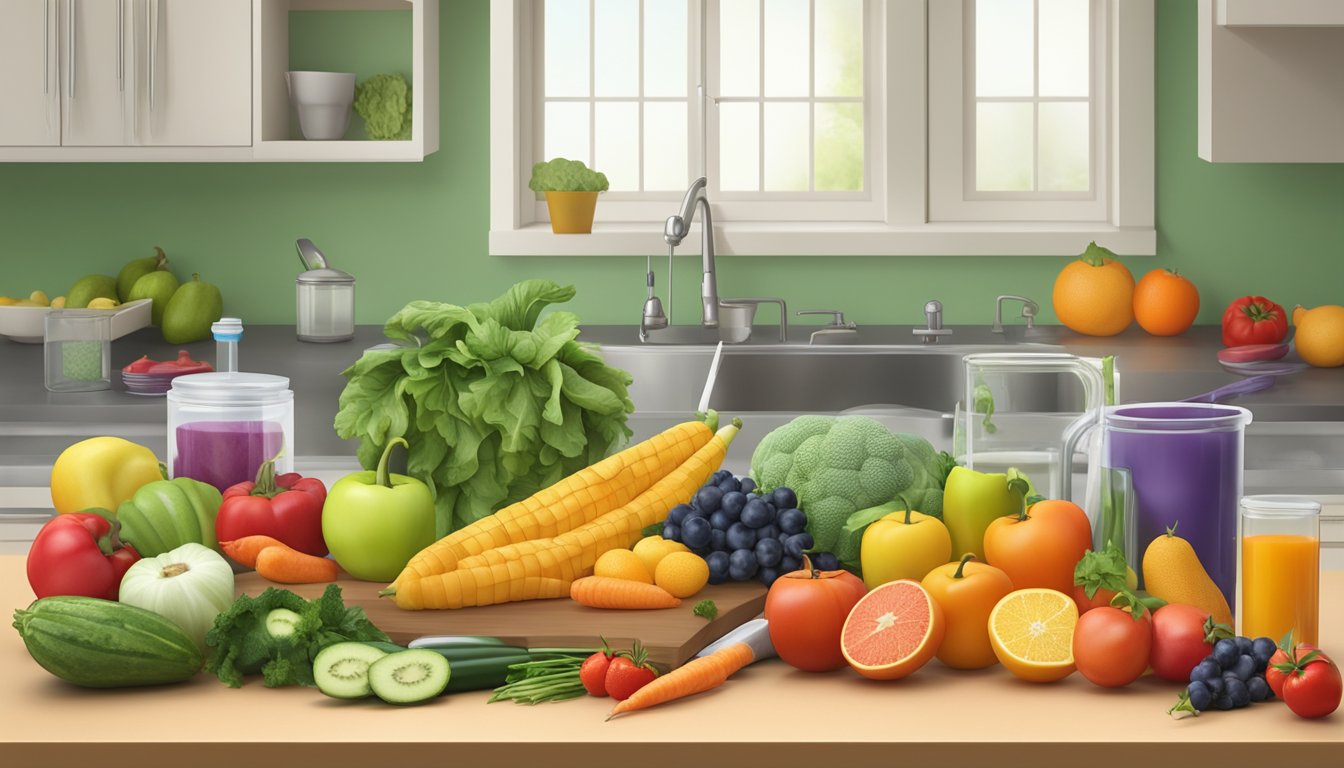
<point>138,268</point>
<point>88,288</point>
<point>159,285</point>
<point>190,312</point>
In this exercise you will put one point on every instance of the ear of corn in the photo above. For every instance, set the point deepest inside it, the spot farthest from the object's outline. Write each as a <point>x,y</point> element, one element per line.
<point>543,568</point>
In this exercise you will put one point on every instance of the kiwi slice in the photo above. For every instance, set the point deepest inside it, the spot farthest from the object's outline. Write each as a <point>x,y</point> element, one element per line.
<point>342,670</point>
<point>409,677</point>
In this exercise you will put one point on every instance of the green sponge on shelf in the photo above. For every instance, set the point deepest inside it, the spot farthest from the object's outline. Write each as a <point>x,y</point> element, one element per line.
<point>384,102</point>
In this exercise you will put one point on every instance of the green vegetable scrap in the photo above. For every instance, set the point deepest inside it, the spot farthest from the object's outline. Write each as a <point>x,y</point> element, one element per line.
<point>561,175</point>
<point>278,634</point>
<point>495,401</point>
<point>384,102</point>
<point>984,403</point>
<point>707,609</point>
<point>839,465</point>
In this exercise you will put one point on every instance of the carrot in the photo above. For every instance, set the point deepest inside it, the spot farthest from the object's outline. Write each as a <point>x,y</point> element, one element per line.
<point>290,566</point>
<point>569,503</point>
<point>608,592</point>
<point>696,676</point>
<point>244,551</point>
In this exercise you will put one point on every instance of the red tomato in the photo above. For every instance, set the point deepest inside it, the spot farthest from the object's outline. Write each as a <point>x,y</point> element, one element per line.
<point>1111,647</point>
<point>593,672</point>
<point>1314,689</point>
<point>1041,548</point>
<point>1274,676</point>
<point>1178,641</point>
<point>1100,600</point>
<point>806,611</point>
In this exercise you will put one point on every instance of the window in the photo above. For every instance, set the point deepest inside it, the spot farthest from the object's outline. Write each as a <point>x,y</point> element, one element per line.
<point>831,126</point>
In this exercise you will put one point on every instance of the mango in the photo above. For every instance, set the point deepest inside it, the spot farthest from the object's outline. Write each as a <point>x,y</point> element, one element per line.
<point>190,312</point>
<point>138,268</point>
<point>88,288</point>
<point>159,285</point>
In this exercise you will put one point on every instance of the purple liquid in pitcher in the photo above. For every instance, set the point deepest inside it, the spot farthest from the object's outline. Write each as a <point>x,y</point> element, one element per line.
<point>1185,477</point>
<point>223,453</point>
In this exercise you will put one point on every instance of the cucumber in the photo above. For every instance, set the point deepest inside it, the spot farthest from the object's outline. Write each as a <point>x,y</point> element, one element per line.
<point>477,668</point>
<point>409,677</point>
<point>98,643</point>
<point>342,670</point>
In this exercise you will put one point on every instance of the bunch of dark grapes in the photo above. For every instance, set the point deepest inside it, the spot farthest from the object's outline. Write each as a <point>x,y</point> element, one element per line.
<point>743,534</point>
<point>1231,677</point>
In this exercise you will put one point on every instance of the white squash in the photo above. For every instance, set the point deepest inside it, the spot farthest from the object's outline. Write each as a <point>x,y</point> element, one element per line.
<point>189,585</point>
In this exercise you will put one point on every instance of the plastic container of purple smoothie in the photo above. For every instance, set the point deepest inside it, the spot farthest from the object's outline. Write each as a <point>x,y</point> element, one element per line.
<point>222,426</point>
<point>1184,465</point>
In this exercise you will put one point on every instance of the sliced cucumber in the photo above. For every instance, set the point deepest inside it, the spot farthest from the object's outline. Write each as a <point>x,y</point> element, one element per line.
<point>342,670</point>
<point>409,677</point>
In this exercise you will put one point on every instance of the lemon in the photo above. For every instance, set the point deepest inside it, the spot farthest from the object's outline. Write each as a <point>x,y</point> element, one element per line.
<point>58,302</point>
<point>7,301</point>
<point>1320,335</point>
<point>39,298</point>
<point>1031,631</point>
<point>622,564</point>
<point>682,573</point>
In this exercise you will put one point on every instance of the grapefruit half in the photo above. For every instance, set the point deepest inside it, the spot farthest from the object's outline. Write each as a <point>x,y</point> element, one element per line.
<point>893,630</point>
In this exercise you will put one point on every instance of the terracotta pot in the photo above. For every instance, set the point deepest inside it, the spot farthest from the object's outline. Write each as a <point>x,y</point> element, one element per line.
<point>571,212</point>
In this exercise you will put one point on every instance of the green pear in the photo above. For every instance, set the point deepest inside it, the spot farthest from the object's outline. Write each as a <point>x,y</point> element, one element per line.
<point>91,287</point>
<point>190,312</point>
<point>138,268</point>
<point>159,286</point>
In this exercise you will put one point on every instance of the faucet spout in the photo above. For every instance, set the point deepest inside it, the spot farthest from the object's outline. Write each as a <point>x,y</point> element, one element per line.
<point>676,229</point>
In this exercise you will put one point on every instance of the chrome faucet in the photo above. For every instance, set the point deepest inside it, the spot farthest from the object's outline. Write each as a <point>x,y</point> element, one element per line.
<point>1029,309</point>
<point>675,231</point>
<point>933,323</point>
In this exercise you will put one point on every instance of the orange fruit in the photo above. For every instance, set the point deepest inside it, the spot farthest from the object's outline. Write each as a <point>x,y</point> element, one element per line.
<point>893,630</point>
<point>1094,294</point>
<point>1031,631</point>
<point>1165,302</point>
<point>682,573</point>
<point>1320,335</point>
<point>622,564</point>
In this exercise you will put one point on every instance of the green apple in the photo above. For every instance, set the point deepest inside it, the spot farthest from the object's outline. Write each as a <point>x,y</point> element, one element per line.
<point>374,522</point>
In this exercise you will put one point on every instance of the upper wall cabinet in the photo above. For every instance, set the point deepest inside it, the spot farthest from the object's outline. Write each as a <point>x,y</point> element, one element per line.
<point>193,81</point>
<point>1270,89</point>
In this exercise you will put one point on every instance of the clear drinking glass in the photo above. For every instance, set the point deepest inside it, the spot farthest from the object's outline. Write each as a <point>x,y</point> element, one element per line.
<point>78,350</point>
<point>1280,568</point>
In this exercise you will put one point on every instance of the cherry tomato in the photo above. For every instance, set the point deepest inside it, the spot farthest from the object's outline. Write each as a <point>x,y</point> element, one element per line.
<point>1041,548</point>
<point>1178,641</point>
<point>1111,647</point>
<point>1315,688</point>
<point>806,611</point>
<point>1274,676</point>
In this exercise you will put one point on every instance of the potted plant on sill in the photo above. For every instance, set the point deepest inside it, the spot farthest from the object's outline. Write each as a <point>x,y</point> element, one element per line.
<point>571,193</point>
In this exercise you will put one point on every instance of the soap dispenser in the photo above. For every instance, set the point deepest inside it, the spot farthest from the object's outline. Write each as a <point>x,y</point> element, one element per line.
<point>325,298</point>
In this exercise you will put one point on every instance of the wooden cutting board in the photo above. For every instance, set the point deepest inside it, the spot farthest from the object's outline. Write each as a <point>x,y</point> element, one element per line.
<point>671,635</point>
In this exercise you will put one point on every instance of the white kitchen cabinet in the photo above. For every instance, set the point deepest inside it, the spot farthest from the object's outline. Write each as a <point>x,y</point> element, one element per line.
<point>1280,13</point>
<point>96,97</point>
<point>29,110</point>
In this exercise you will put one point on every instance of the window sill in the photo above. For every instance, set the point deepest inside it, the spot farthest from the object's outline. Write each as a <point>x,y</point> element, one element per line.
<point>833,239</point>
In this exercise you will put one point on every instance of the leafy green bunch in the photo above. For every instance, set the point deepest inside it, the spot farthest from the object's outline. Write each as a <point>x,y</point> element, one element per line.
<point>561,175</point>
<point>495,401</point>
<point>384,101</point>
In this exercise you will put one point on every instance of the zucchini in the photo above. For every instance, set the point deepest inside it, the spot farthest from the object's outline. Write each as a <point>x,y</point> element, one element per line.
<point>105,644</point>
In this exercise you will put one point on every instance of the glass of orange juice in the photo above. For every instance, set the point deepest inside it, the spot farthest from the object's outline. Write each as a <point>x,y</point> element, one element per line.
<point>1280,562</point>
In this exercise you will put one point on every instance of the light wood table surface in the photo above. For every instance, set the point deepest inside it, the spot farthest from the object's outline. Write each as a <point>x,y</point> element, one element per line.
<point>767,715</point>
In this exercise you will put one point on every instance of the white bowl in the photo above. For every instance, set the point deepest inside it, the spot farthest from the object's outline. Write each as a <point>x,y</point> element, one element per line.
<point>25,324</point>
<point>323,101</point>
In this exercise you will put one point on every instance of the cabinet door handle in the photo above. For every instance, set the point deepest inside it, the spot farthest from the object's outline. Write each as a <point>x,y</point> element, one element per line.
<point>121,46</point>
<point>70,40</point>
<point>151,10</point>
<point>46,48</point>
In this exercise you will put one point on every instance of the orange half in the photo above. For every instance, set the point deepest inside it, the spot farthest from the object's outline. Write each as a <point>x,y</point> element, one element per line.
<point>893,630</point>
<point>1031,631</point>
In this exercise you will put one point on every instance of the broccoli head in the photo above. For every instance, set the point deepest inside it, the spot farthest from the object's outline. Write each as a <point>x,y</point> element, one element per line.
<point>562,175</point>
<point>838,465</point>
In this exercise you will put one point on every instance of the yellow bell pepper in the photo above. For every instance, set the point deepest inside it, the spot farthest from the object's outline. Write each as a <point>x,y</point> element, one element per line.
<point>101,472</point>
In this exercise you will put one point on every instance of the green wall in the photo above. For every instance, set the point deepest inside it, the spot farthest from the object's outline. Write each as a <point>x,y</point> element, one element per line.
<point>419,231</point>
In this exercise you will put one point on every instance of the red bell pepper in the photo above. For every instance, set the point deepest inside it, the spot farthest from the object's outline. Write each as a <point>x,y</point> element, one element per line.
<point>287,507</point>
<point>78,553</point>
<point>1254,320</point>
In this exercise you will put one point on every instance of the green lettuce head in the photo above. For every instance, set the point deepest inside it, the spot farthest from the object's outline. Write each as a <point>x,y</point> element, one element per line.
<point>384,101</point>
<point>561,175</point>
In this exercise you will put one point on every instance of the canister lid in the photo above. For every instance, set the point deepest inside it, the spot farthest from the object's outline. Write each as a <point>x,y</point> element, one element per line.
<point>326,275</point>
<point>231,388</point>
<point>1280,505</point>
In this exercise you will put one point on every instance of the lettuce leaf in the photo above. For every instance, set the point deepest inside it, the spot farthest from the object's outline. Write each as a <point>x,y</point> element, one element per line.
<point>495,400</point>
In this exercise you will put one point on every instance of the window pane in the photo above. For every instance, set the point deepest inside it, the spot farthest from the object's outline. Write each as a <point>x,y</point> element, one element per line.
<point>616,48</point>
<point>839,147</point>
<point>786,155</point>
<point>666,35</point>
<point>839,48</point>
<point>739,48</point>
<point>1065,146</point>
<point>739,147</point>
<point>567,47</point>
<point>665,154</point>
<point>1003,147</point>
<point>1065,43</point>
<point>1004,35</point>
<point>616,139</point>
<point>566,131</point>
<point>788,50</point>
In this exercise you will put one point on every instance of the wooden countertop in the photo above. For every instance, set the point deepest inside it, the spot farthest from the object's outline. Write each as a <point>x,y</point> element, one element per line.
<point>767,714</point>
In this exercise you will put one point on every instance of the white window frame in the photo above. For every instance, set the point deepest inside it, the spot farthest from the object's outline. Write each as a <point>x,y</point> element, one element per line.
<point>902,225</point>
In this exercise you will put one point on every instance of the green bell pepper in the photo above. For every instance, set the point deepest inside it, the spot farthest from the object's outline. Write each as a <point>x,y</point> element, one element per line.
<point>165,514</point>
<point>972,500</point>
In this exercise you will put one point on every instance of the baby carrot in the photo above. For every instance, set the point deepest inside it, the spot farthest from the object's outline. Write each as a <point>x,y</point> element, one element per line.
<point>698,675</point>
<point>608,592</point>
<point>244,551</point>
<point>290,566</point>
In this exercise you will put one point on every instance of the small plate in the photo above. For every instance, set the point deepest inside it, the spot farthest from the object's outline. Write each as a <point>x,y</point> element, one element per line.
<point>26,324</point>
